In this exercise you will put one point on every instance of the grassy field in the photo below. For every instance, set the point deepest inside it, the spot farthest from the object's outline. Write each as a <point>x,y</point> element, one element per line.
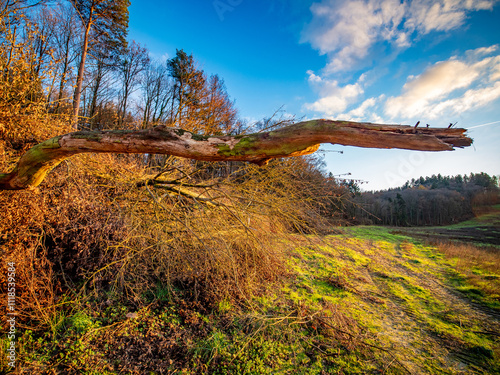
<point>482,230</point>
<point>367,300</point>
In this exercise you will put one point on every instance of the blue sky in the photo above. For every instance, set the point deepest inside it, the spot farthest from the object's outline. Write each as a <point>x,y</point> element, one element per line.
<point>385,61</point>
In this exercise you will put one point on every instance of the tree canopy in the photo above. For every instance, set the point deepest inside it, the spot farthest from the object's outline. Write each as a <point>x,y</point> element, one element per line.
<point>106,21</point>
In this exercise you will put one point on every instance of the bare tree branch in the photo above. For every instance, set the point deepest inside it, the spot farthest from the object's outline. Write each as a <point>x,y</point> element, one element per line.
<point>294,140</point>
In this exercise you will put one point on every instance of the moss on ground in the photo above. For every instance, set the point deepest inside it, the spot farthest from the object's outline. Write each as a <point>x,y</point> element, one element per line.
<point>364,301</point>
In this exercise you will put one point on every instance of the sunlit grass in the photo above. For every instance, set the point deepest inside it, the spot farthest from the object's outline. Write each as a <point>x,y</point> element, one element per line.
<point>476,270</point>
<point>359,304</point>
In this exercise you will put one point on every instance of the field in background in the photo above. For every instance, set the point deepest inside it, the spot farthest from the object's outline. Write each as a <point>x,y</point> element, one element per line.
<point>482,230</point>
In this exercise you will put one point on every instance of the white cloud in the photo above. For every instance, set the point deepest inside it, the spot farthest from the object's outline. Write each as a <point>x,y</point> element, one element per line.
<point>439,90</point>
<point>333,98</point>
<point>367,111</point>
<point>434,84</point>
<point>495,75</point>
<point>470,100</point>
<point>346,30</point>
<point>426,16</point>
<point>362,109</point>
<point>482,51</point>
<point>444,88</point>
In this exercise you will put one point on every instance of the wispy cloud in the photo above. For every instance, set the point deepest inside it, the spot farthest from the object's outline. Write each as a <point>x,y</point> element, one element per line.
<point>347,30</point>
<point>445,88</point>
<point>449,87</point>
<point>366,111</point>
<point>360,111</point>
<point>429,15</point>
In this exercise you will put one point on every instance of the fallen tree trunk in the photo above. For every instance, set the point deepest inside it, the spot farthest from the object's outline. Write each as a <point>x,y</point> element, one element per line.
<point>298,139</point>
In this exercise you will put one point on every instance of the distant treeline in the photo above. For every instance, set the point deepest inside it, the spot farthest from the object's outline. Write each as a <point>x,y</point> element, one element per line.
<point>434,200</point>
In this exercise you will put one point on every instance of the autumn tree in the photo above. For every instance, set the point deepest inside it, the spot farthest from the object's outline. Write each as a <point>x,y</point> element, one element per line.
<point>156,94</point>
<point>21,75</point>
<point>101,20</point>
<point>134,60</point>
<point>26,70</point>
<point>65,38</point>
<point>219,113</point>
<point>189,84</point>
<point>9,8</point>
<point>100,92</point>
<point>199,104</point>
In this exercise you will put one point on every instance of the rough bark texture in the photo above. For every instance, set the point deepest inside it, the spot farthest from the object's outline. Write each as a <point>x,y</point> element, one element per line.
<point>298,139</point>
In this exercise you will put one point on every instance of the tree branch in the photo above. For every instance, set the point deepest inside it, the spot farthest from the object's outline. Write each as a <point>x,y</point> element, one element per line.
<point>294,140</point>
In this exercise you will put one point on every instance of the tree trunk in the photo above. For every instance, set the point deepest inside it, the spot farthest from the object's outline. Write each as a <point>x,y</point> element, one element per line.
<point>95,93</point>
<point>298,139</point>
<point>81,69</point>
<point>63,76</point>
<point>123,110</point>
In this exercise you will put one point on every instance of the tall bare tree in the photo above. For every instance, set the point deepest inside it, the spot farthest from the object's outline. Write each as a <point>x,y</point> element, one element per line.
<point>100,89</point>
<point>101,19</point>
<point>156,94</point>
<point>133,62</point>
<point>66,36</point>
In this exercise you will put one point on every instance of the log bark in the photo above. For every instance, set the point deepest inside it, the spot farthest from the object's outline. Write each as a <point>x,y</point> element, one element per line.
<point>298,139</point>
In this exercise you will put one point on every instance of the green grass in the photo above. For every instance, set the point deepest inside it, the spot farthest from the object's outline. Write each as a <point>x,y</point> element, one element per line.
<point>364,301</point>
<point>375,233</point>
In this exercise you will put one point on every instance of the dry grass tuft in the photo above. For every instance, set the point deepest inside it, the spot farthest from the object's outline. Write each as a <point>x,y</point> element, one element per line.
<point>480,265</point>
<point>469,256</point>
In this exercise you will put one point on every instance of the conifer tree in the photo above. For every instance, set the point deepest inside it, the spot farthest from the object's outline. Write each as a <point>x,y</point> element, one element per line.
<point>199,104</point>
<point>102,20</point>
<point>189,84</point>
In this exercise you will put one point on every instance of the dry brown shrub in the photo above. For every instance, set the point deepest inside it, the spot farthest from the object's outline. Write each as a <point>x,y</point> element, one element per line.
<point>220,240</point>
<point>105,226</point>
<point>54,235</point>
<point>94,229</point>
